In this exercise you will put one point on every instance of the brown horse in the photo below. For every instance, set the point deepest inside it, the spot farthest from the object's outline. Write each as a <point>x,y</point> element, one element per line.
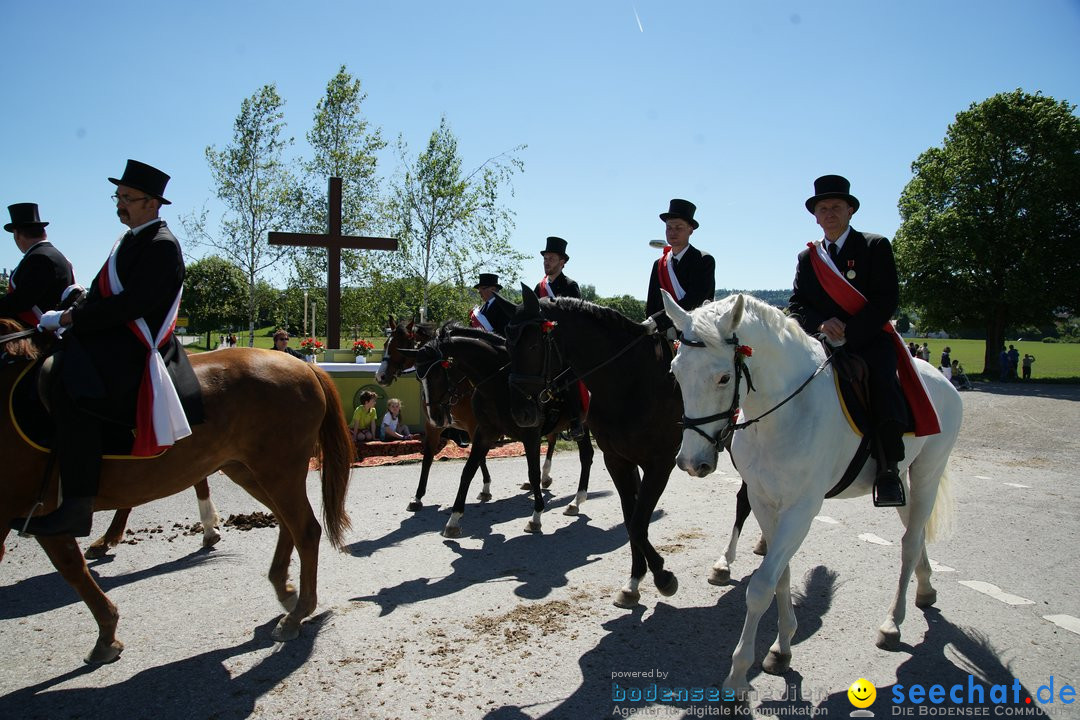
<point>410,335</point>
<point>244,392</point>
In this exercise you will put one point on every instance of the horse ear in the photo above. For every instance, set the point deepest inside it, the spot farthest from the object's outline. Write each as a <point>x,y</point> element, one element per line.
<point>529,300</point>
<point>737,311</point>
<point>679,317</point>
<point>391,322</point>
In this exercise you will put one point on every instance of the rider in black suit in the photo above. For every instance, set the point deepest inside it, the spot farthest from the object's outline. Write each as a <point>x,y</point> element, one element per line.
<point>866,261</point>
<point>559,285</point>
<point>694,269</point>
<point>494,309</point>
<point>101,363</point>
<point>38,282</point>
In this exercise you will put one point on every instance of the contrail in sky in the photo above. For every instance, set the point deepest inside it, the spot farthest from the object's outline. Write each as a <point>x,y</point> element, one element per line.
<point>637,18</point>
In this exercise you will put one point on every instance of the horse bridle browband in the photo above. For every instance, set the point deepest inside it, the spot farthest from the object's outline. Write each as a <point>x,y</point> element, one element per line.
<point>723,438</point>
<point>453,393</point>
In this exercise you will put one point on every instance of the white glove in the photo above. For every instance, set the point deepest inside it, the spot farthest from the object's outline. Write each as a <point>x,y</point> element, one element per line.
<point>76,289</point>
<point>649,324</point>
<point>50,320</point>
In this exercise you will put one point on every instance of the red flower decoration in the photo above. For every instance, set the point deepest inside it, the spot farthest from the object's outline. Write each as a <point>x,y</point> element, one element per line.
<point>745,350</point>
<point>548,325</point>
<point>444,364</point>
<point>677,344</point>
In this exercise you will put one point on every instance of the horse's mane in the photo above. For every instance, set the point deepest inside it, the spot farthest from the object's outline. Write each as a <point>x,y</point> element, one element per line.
<point>602,314</point>
<point>454,329</point>
<point>709,318</point>
<point>23,347</point>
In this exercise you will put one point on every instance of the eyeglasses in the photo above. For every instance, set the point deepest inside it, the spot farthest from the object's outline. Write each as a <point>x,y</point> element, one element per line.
<point>127,200</point>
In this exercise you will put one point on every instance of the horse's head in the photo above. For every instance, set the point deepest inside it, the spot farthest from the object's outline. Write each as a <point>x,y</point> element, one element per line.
<point>531,355</point>
<point>18,341</point>
<point>707,366</point>
<point>402,336</point>
<point>437,386</point>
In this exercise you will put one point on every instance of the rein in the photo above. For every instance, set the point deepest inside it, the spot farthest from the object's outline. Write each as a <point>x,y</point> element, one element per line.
<point>18,335</point>
<point>723,438</point>
<point>453,393</point>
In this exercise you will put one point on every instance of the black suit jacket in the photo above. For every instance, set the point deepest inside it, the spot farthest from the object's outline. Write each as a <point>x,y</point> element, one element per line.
<point>870,257</point>
<point>103,359</point>
<point>499,313</point>
<point>697,275</point>
<point>38,280</point>
<point>562,287</point>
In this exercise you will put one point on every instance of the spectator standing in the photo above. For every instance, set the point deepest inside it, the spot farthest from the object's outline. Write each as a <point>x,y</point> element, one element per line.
<point>1028,359</point>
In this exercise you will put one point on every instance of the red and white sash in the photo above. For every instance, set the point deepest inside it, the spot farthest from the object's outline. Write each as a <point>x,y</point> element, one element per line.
<point>665,273</point>
<point>29,317</point>
<point>159,417</point>
<point>851,300</point>
<point>477,319</point>
<point>545,289</point>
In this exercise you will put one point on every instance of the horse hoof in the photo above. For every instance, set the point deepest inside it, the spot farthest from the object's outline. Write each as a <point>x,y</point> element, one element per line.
<point>626,599</point>
<point>545,483</point>
<point>286,630</point>
<point>484,497</point>
<point>925,600</point>
<point>761,548</point>
<point>532,527</point>
<point>526,486</point>
<point>96,552</point>
<point>668,588</point>
<point>211,539</point>
<point>451,532</point>
<point>720,577</point>
<point>776,663</point>
<point>103,654</point>
<point>571,510</point>
<point>414,506</point>
<point>888,640</point>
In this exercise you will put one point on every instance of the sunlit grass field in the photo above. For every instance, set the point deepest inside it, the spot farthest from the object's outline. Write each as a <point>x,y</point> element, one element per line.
<point>1058,361</point>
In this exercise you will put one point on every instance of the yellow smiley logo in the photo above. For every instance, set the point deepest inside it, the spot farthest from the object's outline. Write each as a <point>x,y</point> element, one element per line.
<point>862,693</point>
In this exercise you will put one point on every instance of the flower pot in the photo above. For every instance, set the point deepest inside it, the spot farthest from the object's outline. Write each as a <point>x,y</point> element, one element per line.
<point>361,359</point>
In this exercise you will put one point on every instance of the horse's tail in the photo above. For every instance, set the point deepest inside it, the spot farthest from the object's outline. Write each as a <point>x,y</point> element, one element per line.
<point>336,450</point>
<point>939,526</point>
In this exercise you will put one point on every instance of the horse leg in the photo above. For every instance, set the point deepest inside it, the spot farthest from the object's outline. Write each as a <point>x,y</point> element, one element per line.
<point>485,491</point>
<point>585,458</point>
<point>626,479</point>
<point>778,661</point>
<point>432,443</point>
<point>69,562</point>
<point>477,452</point>
<point>3,538</point>
<point>721,569</point>
<point>912,557</point>
<point>532,457</point>
<point>208,514</point>
<point>653,482</point>
<point>545,474</point>
<point>112,537</point>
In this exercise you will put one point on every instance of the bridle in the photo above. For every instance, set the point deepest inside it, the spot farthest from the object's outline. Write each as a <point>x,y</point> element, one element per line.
<point>722,439</point>
<point>454,391</point>
<point>536,388</point>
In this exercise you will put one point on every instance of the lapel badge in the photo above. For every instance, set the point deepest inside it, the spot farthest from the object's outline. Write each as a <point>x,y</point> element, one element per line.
<point>850,274</point>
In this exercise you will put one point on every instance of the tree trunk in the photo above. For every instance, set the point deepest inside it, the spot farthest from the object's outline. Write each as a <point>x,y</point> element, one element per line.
<point>995,340</point>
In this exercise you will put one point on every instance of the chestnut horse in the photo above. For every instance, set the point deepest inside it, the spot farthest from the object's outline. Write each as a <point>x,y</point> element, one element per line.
<point>244,392</point>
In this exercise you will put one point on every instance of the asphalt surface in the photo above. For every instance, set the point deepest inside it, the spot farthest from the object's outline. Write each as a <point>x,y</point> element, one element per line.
<point>505,625</point>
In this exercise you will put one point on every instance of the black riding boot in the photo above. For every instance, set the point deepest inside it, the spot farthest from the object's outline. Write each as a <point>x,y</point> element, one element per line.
<point>888,486</point>
<point>74,517</point>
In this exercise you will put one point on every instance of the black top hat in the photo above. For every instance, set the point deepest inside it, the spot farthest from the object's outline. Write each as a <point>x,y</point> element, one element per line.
<point>556,245</point>
<point>832,186</point>
<point>488,280</point>
<point>683,209</point>
<point>24,215</point>
<point>143,177</point>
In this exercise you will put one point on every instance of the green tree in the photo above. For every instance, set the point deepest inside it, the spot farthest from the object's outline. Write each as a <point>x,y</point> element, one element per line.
<point>214,291</point>
<point>344,146</point>
<point>990,231</point>
<point>450,222</point>
<point>628,305</point>
<point>253,181</point>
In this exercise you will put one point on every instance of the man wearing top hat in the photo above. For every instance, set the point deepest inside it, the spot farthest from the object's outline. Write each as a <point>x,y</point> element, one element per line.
<point>688,274</point>
<point>38,282</point>
<point>555,284</point>
<point>104,368</point>
<point>494,312</point>
<point>865,261</point>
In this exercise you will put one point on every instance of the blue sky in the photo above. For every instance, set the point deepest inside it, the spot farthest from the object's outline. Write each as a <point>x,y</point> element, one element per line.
<point>734,106</point>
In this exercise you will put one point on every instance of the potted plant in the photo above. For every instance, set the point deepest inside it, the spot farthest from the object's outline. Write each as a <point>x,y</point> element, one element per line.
<point>361,348</point>
<point>310,347</point>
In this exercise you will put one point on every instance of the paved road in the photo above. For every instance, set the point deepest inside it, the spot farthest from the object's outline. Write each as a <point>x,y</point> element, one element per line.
<point>504,625</point>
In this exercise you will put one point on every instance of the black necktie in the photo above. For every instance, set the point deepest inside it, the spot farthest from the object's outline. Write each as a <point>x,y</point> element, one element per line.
<point>833,252</point>
<point>675,262</point>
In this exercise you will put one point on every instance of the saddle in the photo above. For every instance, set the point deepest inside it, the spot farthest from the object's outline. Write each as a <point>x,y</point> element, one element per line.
<point>30,418</point>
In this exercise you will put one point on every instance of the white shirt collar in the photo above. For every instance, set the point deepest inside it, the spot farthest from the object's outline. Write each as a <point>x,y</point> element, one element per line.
<point>683,252</point>
<point>140,228</point>
<point>839,241</point>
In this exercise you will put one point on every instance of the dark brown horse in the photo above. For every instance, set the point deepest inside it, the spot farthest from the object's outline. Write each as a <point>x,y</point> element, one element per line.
<point>410,335</point>
<point>244,392</point>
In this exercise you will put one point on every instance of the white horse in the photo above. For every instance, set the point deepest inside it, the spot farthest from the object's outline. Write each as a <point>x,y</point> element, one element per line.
<point>796,454</point>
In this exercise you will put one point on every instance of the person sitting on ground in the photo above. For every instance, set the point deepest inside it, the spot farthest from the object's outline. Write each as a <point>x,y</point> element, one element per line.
<point>392,426</point>
<point>959,377</point>
<point>364,418</point>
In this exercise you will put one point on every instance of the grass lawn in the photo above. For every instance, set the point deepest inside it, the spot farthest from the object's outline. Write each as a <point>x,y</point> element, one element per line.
<point>1053,361</point>
<point>264,339</point>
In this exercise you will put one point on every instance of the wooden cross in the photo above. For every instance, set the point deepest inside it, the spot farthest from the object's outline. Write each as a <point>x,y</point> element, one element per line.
<point>333,241</point>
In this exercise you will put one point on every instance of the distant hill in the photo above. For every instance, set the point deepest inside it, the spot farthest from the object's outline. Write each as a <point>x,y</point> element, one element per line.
<point>779,298</point>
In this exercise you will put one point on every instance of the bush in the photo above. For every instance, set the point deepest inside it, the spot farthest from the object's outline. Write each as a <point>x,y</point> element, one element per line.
<point>1050,340</point>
